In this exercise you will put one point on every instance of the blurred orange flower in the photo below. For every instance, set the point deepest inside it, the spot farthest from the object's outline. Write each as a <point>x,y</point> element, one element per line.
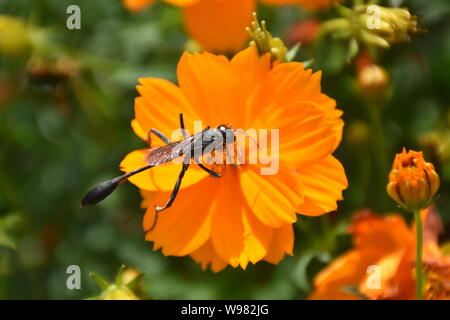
<point>389,244</point>
<point>219,25</point>
<point>136,5</point>
<point>308,4</point>
<point>242,216</point>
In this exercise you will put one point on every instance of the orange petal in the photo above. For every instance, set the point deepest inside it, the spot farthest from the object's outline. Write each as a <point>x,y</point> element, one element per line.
<point>306,132</point>
<point>432,225</point>
<point>376,236</point>
<point>272,198</point>
<point>160,178</point>
<point>206,255</point>
<point>323,184</point>
<point>382,241</point>
<point>148,198</point>
<point>432,228</point>
<point>345,271</point>
<point>289,99</point>
<point>288,83</point>
<point>149,113</point>
<point>186,225</point>
<point>219,25</point>
<point>282,244</point>
<point>388,267</point>
<point>250,69</point>
<point>404,276</point>
<point>257,239</point>
<point>219,88</point>
<point>237,237</point>
<point>209,84</point>
<point>308,4</point>
<point>136,5</point>
<point>182,3</point>
<point>331,293</point>
<point>312,153</point>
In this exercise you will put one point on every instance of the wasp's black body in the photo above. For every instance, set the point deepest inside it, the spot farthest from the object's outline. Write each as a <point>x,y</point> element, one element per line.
<point>191,147</point>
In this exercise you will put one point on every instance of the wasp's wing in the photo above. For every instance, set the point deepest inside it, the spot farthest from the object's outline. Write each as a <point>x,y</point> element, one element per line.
<point>189,147</point>
<point>169,152</point>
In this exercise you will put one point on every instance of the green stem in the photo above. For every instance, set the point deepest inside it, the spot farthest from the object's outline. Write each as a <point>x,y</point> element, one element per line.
<point>378,142</point>
<point>419,268</point>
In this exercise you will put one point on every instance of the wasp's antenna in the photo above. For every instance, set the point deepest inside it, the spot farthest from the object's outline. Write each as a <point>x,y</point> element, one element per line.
<point>251,138</point>
<point>104,189</point>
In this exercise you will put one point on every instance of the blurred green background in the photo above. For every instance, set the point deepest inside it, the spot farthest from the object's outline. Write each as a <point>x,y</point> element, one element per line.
<point>65,112</point>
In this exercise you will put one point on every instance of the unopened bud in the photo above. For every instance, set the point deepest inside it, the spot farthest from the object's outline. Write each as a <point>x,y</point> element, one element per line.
<point>265,42</point>
<point>373,25</point>
<point>373,80</point>
<point>413,183</point>
<point>382,26</point>
<point>123,288</point>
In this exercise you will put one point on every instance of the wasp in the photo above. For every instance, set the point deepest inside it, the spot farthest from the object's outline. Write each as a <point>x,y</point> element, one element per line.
<point>191,147</point>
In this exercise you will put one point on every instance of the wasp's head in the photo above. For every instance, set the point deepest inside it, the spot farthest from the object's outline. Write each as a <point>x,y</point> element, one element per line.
<point>227,133</point>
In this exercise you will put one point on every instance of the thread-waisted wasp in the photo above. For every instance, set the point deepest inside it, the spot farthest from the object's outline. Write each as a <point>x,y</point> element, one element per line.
<point>191,147</point>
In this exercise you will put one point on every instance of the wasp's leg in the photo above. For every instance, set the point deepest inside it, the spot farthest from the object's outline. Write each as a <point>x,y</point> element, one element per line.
<point>230,157</point>
<point>159,134</point>
<point>183,128</point>
<point>173,195</point>
<point>211,172</point>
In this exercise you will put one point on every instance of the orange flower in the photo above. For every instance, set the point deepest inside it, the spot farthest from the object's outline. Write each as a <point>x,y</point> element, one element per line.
<point>412,182</point>
<point>219,25</point>
<point>385,244</point>
<point>242,216</point>
<point>308,4</point>
<point>136,5</point>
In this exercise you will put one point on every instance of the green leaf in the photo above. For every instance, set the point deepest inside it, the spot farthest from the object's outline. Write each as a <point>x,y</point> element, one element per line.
<point>102,283</point>
<point>119,276</point>
<point>292,53</point>
<point>300,271</point>
<point>308,63</point>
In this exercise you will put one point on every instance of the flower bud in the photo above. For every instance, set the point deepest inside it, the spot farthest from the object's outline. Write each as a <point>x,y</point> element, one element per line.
<point>373,80</point>
<point>265,42</point>
<point>114,292</point>
<point>372,25</point>
<point>382,26</point>
<point>413,183</point>
<point>124,287</point>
